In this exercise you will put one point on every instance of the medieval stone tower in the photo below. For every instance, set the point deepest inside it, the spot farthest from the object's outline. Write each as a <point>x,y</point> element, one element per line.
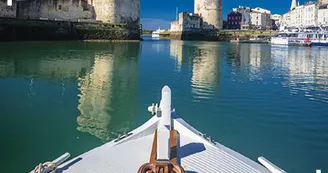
<point>117,11</point>
<point>210,10</point>
<point>323,2</point>
<point>107,11</point>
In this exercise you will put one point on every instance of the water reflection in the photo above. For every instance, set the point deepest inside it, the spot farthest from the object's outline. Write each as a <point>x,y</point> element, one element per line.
<point>249,58</point>
<point>159,45</point>
<point>303,70</point>
<point>54,65</point>
<point>176,52</point>
<point>206,70</point>
<point>205,61</point>
<point>307,70</point>
<point>108,92</point>
<point>106,75</point>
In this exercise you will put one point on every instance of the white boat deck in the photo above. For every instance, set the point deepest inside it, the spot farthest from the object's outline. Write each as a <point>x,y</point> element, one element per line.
<point>195,153</point>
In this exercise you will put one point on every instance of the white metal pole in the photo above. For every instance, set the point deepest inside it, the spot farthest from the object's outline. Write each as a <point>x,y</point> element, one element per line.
<point>9,2</point>
<point>164,126</point>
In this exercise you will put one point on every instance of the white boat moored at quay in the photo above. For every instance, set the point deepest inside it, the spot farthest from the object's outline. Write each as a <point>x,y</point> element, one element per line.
<point>166,144</point>
<point>155,34</point>
<point>291,39</point>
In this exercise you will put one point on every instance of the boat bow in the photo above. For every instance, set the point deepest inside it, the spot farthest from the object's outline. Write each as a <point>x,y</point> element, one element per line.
<point>164,143</point>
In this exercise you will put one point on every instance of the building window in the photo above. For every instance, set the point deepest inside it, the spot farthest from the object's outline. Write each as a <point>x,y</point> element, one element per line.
<point>59,7</point>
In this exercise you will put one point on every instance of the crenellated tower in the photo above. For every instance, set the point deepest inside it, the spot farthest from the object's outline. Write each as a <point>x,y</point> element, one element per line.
<point>210,11</point>
<point>117,11</point>
<point>323,2</point>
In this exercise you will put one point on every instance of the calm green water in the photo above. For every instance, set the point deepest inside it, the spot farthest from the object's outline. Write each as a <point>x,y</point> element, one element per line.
<point>259,100</point>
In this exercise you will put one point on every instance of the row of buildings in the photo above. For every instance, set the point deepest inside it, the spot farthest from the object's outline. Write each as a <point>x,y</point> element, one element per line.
<point>310,14</point>
<point>257,18</point>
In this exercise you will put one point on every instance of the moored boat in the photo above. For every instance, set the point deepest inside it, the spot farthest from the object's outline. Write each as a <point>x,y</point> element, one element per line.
<point>319,38</point>
<point>291,39</point>
<point>165,143</point>
<point>155,34</point>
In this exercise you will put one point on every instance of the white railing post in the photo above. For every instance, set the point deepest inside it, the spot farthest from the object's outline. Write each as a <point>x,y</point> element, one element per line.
<point>9,2</point>
<point>164,126</point>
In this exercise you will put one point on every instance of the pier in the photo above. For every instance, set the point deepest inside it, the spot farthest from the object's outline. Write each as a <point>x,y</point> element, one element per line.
<point>216,35</point>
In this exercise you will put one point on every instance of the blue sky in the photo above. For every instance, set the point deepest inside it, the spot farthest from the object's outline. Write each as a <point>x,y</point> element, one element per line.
<point>159,13</point>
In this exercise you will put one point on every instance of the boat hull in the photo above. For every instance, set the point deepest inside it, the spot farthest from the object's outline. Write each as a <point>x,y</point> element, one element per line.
<point>320,43</point>
<point>279,41</point>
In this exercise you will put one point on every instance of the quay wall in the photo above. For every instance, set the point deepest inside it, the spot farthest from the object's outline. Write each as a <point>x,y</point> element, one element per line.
<point>222,35</point>
<point>22,29</point>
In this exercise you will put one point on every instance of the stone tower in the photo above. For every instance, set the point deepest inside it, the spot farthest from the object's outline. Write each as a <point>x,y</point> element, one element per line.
<point>323,2</point>
<point>293,5</point>
<point>210,11</point>
<point>117,11</point>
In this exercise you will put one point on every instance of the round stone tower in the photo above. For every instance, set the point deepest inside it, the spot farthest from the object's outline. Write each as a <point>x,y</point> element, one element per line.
<point>210,11</point>
<point>117,11</point>
<point>323,2</point>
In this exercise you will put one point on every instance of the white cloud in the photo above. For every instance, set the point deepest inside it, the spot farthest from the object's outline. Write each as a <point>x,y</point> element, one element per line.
<point>153,24</point>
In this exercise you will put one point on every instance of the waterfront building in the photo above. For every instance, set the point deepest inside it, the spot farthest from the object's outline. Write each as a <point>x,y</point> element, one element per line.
<point>246,16</point>
<point>186,22</point>
<point>260,18</point>
<point>234,20</point>
<point>190,22</point>
<point>297,16</point>
<point>310,14</point>
<point>323,15</point>
<point>275,19</point>
<point>285,21</point>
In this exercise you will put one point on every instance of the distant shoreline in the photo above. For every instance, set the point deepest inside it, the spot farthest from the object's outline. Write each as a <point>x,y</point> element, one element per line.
<point>146,34</point>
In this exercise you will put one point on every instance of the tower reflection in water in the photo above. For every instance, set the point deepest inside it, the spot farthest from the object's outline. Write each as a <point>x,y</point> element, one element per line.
<point>108,92</point>
<point>106,74</point>
<point>205,62</point>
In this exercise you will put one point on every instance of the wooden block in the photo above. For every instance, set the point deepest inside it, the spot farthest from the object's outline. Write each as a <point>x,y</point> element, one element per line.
<point>174,146</point>
<point>154,150</point>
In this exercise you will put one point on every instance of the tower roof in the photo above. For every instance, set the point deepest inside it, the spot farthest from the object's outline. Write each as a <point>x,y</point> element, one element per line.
<point>293,5</point>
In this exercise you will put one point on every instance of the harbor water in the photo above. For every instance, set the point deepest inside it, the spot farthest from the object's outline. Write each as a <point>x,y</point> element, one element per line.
<point>257,99</point>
